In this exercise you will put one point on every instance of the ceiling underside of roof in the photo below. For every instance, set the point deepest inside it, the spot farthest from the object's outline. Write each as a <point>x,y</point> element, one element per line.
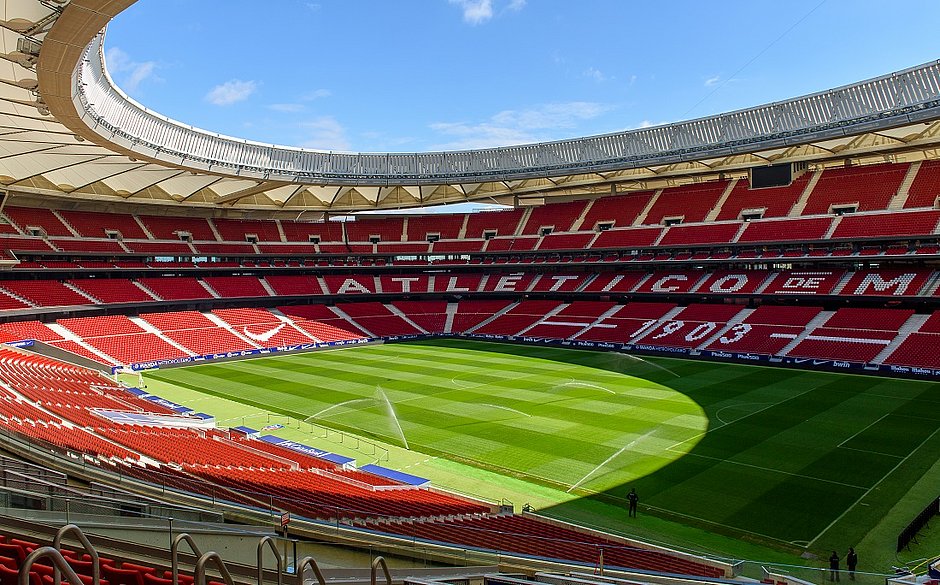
<point>43,155</point>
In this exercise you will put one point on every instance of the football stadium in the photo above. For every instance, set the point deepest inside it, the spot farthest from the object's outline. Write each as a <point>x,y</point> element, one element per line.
<point>697,352</point>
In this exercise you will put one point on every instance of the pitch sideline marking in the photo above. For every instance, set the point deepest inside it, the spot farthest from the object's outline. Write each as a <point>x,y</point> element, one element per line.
<point>872,452</point>
<point>723,408</point>
<point>869,490</point>
<point>706,521</point>
<point>771,469</point>
<point>886,415</point>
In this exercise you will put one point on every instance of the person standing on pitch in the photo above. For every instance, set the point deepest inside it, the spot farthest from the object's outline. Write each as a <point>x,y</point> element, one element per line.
<point>834,566</point>
<point>633,499</point>
<point>851,561</point>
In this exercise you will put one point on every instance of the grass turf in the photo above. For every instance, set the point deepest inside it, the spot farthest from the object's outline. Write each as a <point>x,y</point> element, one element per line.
<point>785,457</point>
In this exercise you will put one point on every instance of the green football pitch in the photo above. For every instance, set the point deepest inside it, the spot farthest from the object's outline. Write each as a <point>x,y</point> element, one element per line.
<point>776,456</point>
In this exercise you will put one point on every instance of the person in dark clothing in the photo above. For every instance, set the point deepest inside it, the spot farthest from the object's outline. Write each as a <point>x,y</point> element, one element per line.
<point>851,561</point>
<point>633,499</point>
<point>834,566</point>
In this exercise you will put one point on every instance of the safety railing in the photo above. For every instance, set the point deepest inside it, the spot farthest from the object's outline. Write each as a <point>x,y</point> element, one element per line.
<point>906,96</point>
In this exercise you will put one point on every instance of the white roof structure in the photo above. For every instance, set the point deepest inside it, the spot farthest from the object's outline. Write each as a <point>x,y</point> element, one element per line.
<point>67,131</point>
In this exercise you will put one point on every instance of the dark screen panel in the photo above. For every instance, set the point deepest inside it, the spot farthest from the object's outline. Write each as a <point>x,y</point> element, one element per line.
<point>771,176</point>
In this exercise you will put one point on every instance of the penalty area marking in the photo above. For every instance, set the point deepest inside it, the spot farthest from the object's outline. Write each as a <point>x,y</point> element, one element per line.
<point>869,490</point>
<point>758,411</point>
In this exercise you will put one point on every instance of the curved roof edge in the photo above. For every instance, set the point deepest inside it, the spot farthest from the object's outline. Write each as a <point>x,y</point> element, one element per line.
<point>101,108</point>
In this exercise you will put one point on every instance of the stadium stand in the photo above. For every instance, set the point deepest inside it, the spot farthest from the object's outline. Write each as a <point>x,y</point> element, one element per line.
<point>236,286</point>
<point>691,326</point>
<point>520,244</point>
<point>444,226</point>
<point>112,290</point>
<point>239,230</point>
<point>44,293</point>
<point>786,230</point>
<point>918,223</point>
<point>429,315</point>
<point>91,224</point>
<point>690,203</point>
<point>322,323</point>
<point>925,189</point>
<point>768,202</point>
<point>527,535</point>
<point>557,217</point>
<point>175,288</point>
<point>518,318</point>
<point>27,218</point>
<point>618,210</point>
<point>387,229</point>
<point>565,241</point>
<point>501,223</point>
<point>869,188</point>
<point>299,284</point>
<point>705,233</point>
<point>172,228</point>
<point>627,238</point>
<point>298,231</point>
<point>378,319</point>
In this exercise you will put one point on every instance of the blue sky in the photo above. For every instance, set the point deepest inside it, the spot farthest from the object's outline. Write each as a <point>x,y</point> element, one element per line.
<point>417,75</point>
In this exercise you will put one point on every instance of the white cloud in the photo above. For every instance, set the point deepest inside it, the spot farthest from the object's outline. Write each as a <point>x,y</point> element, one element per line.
<point>129,74</point>
<point>298,106</point>
<point>712,81</point>
<point>595,74</point>
<point>479,11</point>
<point>317,94</point>
<point>325,133</point>
<point>648,124</point>
<point>286,108</point>
<point>475,11</point>
<point>518,126</point>
<point>230,92</point>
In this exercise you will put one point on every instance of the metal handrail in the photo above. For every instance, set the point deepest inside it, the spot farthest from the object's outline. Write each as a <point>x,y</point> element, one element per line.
<point>268,540</point>
<point>200,574</point>
<point>58,561</point>
<point>175,555</point>
<point>898,98</point>
<point>86,544</point>
<point>312,563</point>
<point>376,563</point>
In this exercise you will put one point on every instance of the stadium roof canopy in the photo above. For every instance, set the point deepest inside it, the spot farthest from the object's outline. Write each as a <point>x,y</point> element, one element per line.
<point>69,132</point>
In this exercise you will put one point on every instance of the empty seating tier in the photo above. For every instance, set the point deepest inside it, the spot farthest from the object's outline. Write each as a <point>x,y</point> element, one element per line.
<point>768,202</point>
<point>386,229</point>
<point>918,223</point>
<point>45,220</point>
<point>92,224</point>
<point>236,286</point>
<point>175,228</point>
<point>690,203</point>
<point>444,226</point>
<point>926,186</point>
<point>175,288</point>
<point>239,230</point>
<point>112,290</point>
<point>557,217</point>
<point>45,293</point>
<point>619,210</point>
<point>501,223</point>
<point>868,188</point>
